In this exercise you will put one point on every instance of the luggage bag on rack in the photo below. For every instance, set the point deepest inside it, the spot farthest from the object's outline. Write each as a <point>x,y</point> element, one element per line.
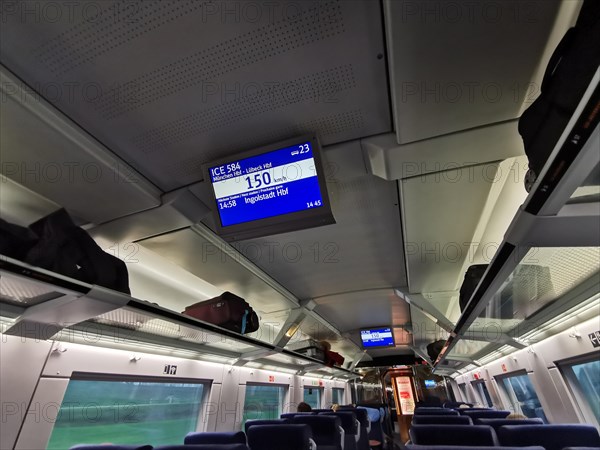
<point>309,347</point>
<point>55,243</point>
<point>568,74</point>
<point>227,311</point>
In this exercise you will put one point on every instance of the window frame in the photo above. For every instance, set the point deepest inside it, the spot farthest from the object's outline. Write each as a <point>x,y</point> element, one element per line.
<point>283,400</point>
<point>337,389</point>
<point>582,406</point>
<point>478,386</point>
<point>319,389</point>
<point>127,378</point>
<point>462,388</point>
<point>509,396</point>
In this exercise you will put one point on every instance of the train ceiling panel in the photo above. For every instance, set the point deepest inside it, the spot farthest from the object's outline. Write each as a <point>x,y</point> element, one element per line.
<point>462,64</point>
<point>169,85</point>
<point>362,251</point>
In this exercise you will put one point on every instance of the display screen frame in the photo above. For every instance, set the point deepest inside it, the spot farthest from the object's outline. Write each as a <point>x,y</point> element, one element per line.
<point>430,384</point>
<point>377,329</point>
<point>283,223</point>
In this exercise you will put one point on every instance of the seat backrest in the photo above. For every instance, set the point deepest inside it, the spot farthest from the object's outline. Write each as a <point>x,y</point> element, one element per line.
<point>362,416</point>
<point>455,404</point>
<point>421,408</point>
<point>485,414</point>
<point>351,428</point>
<point>348,420</point>
<point>467,435</point>
<point>204,447</point>
<point>278,437</point>
<point>233,437</point>
<point>497,423</point>
<point>435,412</point>
<point>253,422</point>
<point>551,437</point>
<point>110,447</point>
<point>325,429</point>
<point>294,414</point>
<point>442,420</point>
<point>461,447</point>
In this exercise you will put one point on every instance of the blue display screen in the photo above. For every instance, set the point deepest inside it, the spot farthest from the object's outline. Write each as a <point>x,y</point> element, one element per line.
<point>380,337</point>
<point>272,184</point>
<point>430,384</point>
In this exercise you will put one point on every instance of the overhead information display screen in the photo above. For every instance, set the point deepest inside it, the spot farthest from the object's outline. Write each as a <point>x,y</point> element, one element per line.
<point>271,184</point>
<point>380,337</point>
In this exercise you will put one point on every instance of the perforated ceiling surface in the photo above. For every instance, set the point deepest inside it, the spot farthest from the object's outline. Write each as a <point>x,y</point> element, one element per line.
<point>170,85</point>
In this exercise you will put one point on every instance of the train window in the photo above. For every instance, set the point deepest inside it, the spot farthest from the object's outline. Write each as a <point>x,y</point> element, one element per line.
<point>126,412</point>
<point>522,396</point>
<point>312,396</point>
<point>463,392</point>
<point>584,380</point>
<point>263,402</point>
<point>337,396</point>
<point>484,394</point>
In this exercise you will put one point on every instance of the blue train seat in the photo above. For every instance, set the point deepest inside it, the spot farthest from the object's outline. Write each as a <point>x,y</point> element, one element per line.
<point>551,437</point>
<point>351,427</point>
<point>468,435</point>
<point>471,447</point>
<point>497,423</point>
<point>204,447</point>
<point>442,420</point>
<point>435,412</point>
<point>233,437</point>
<point>327,430</point>
<point>485,414</point>
<point>279,437</point>
<point>252,422</point>
<point>110,447</point>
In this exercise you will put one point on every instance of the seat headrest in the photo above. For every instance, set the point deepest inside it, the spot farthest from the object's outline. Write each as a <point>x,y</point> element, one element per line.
<point>277,437</point>
<point>551,437</point>
<point>252,422</point>
<point>453,435</point>
<point>233,437</point>
<point>441,420</point>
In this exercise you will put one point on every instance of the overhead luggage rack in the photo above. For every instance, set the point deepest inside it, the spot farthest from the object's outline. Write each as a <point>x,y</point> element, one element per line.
<point>547,268</point>
<point>40,304</point>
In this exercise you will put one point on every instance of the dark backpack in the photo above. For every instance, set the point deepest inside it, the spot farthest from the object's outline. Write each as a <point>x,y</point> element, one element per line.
<point>568,74</point>
<point>64,248</point>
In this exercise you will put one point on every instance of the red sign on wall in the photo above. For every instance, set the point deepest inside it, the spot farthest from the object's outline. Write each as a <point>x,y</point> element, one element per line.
<point>271,378</point>
<point>504,369</point>
<point>407,401</point>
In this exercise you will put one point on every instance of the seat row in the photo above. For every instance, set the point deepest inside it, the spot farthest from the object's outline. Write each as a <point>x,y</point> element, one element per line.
<point>548,437</point>
<point>326,430</point>
<point>473,413</point>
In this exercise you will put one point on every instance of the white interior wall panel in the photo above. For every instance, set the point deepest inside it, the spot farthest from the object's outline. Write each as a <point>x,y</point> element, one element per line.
<point>42,413</point>
<point>540,361</point>
<point>21,363</point>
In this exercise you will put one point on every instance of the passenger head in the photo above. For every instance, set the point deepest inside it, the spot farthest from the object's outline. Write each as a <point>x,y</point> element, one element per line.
<point>335,407</point>
<point>464,405</point>
<point>516,416</point>
<point>304,407</point>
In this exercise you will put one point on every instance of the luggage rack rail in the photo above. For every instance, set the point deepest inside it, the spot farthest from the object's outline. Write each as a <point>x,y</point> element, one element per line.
<point>547,219</point>
<point>40,304</point>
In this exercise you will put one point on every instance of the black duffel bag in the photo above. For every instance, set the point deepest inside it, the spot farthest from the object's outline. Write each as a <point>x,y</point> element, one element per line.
<point>568,74</point>
<point>64,248</point>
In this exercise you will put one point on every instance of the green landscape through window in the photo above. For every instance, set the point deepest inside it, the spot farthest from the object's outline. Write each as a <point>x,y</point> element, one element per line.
<point>126,412</point>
